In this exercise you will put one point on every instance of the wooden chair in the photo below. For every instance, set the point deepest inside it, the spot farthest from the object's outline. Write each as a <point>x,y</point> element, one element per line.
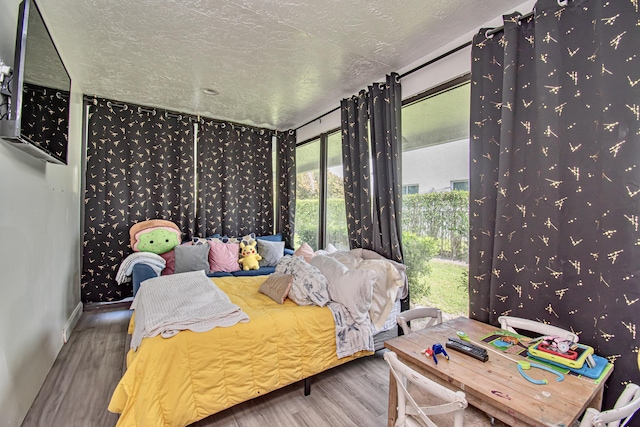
<point>508,323</point>
<point>409,412</point>
<point>626,405</point>
<point>432,315</point>
<point>473,416</point>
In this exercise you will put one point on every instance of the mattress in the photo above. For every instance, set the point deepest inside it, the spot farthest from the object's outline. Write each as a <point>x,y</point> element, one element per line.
<point>177,381</point>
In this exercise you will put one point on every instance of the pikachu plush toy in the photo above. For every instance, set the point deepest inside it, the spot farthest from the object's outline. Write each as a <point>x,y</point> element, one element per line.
<point>249,256</point>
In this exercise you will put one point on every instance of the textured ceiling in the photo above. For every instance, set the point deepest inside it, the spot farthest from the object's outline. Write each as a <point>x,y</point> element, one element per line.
<point>274,63</point>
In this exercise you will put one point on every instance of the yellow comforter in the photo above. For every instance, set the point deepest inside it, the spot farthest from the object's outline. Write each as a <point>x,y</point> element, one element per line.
<point>179,380</point>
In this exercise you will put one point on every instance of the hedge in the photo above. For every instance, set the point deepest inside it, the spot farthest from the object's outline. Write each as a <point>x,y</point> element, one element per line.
<point>441,216</point>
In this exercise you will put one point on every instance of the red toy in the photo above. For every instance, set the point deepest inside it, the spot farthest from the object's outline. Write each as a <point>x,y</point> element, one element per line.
<point>435,350</point>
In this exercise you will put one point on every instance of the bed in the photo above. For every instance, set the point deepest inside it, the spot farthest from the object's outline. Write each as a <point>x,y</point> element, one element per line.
<point>177,381</point>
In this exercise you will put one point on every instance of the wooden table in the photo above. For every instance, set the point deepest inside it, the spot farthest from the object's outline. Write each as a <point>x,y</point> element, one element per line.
<point>495,387</point>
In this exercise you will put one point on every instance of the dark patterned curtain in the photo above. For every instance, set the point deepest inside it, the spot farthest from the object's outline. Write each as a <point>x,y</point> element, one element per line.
<point>235,179</point>
<point>385,107</point>
<point>555,185</point>
<point>373,221</point>
<point>139,166</point>
<point>286,176</point>
<point>357,176</point>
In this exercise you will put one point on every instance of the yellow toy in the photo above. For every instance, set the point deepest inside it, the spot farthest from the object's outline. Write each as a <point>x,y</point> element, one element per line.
<point>249,256</point>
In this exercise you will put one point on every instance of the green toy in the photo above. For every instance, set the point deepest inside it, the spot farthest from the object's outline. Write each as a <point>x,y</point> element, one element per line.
<point>157,241</point>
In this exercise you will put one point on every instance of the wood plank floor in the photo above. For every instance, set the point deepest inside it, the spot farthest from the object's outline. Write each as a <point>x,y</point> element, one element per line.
<point>79,386</point>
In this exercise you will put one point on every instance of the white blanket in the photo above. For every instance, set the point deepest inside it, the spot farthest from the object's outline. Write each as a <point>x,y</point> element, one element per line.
<point>390,283</point>
<point>391,280</point>
<point>351,337</point>
<point>126,267</point>
<point>168,304</point>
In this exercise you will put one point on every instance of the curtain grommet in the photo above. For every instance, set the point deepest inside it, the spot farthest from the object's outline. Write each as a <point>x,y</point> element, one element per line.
<point>563,3</point>
<point>487,35</point>
<point>123,107</point>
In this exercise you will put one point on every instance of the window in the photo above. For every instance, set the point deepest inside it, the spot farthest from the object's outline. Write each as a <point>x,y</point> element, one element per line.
<point>410,189</point>
<point>460,185</point>
<point>320,207</point>
<point>307,194</point>
<point>435,161</point>
<point>336,227</point>
<point>435,138</point>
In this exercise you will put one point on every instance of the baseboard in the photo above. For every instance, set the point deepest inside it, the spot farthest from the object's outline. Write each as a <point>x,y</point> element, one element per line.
<point>71,323</point>
<point>123,304</point>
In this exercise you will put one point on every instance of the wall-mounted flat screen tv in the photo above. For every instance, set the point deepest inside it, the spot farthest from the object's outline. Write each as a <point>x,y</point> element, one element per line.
<point>38,92</point>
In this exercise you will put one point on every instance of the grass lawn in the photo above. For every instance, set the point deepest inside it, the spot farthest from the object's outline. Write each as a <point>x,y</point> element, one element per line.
<point>446,288</point>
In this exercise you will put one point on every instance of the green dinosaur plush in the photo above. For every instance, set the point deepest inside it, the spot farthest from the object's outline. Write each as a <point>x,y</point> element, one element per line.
<point>154,235</point>
<point>158,240</point>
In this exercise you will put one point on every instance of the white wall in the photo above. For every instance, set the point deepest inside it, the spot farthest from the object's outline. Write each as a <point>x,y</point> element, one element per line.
<point>434,167</point>
<point>40,249</point>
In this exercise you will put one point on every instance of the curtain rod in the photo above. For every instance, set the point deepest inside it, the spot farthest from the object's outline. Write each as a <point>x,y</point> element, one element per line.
<point>498,29</point>
<point>438,58</point>
<point>431,61</point>
<point>93,99</point>
<point>318,118</point>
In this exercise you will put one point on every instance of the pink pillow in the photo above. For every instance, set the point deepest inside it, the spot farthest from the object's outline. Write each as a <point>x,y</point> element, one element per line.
<point>224,256</point>
<point>305,252</point>
<point>170,259</point>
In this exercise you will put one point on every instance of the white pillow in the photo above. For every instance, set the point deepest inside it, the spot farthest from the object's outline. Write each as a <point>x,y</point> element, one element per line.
<point>351,288</point>
<point>328,250</point>
<point>385,290</point>
<point>309,285</point>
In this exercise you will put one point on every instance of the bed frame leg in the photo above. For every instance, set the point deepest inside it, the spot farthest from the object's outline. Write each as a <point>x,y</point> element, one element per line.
<point>307,386</point>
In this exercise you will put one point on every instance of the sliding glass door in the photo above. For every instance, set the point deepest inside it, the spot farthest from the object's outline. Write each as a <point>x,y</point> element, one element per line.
<point>320,209</point>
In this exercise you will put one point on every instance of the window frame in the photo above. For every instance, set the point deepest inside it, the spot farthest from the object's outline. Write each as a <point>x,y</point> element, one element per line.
<point>322,206</point>
<point>406,187</point>
<point>459,181</point>
<point>324,138</point>
<point>439,89</point>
